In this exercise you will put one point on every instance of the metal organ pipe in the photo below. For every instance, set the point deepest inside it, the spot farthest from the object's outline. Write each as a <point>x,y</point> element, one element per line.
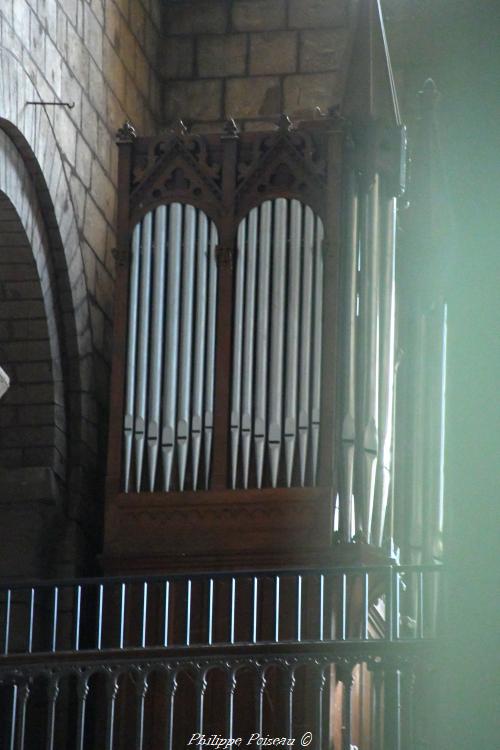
<point>348,372</point>
<point>210,362</point>
<point>369,360</point>
<point>128,423</point>
<point>155,370</point>
<point>386,381</point>
<point>292,336</point>
<point>199,344</point>
<point>142,353</point>
<point>171,342</point>
<point>317,343</point>
<point>248,345</point>
<point>238,348</point>
<point>305,341</point>
<point>184,405</point>
<point>260,422</point>
<point>277,336</point>
<point>171,346</point>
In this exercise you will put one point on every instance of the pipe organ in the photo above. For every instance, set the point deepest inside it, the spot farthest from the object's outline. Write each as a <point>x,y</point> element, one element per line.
<point>233,398</point>
<point>252,413</point>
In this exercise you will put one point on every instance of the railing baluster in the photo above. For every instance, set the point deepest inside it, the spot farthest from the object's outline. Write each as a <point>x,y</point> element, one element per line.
<point>230,690</point>
<point>201,687</point>
<point>166,612</point>
<point>53,692</point>
<point>23,704</point>
<point>276,608</point>
<point>210,611</point>
<point>421,604</point>
<point>55,604</point>
<point>144,614</point>
<point>77,618</point>
<point>396,605</point>
<point>345,675</point>
<point>142,689</point>
<point>171,690</point>
<point>112,692</point>
<point>260,686</point>
<point>255,587</point>
<point>343,608</point>
<point>321,679</point>
<point>123,599</point>
<point>377,705</point>
<point>82,691</point>
<point>13,713</point>
<point>365,605</point>
<point>321,606</point>
<point>299,608</point>
<point>188,613</point>
<point>288,689</point>
<point>7,621</point>
<point>32,619</point>
<point>99,616</point>
<point>233,607</point>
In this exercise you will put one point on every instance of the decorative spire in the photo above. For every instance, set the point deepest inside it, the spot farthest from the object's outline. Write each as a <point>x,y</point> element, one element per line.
<point>126,134</point>
<point>370,90</point>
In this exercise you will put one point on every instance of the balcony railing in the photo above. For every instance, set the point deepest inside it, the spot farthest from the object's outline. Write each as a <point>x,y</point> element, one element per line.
<point>153,662</point>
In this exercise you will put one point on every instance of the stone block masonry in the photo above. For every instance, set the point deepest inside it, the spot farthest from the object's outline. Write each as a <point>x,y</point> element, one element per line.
<point>251,59</point>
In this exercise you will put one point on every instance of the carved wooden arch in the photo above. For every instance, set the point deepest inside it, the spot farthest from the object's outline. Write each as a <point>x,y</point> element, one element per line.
<point>285,164</point>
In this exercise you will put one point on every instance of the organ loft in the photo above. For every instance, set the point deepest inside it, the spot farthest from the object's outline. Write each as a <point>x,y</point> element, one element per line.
<point>258,560</point>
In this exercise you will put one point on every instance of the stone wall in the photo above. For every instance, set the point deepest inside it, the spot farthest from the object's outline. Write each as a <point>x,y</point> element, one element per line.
<point>99,56</point>
<point>251,59</point>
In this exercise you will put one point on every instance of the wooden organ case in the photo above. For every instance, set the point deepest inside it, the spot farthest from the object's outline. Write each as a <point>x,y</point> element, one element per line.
<point>252,401</point>
<point>224,385</point>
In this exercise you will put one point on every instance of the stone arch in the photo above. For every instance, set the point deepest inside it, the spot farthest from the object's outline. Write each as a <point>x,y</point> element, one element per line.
<point>34,181</point>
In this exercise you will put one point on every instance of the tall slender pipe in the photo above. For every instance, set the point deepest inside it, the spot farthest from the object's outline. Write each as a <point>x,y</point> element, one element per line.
<point>155,368</point>
<point>186,338</point>
<point>277,337</point>
<point>317,345</point>
<point>202,259</point>
<point>141,385</point>
<point>348,373</point>
<point>386,358</point>
<point>248,344</point>
<point>369,319</point>
<point>292,336</point>
<point>239,302</point>
<point>128,424</point>
<point>210,354</point>
<point>305,341</point>
<point>171,343</point>
<point>262,342</point>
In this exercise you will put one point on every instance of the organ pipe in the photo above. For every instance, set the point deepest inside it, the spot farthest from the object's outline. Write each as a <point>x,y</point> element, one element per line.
<point>260,422</point>
<point>292,337</point>
<point>348,372</point>
<point>248,347</point>
<point>386,359</point>
<point>277,337</point>
<point>171,343</point>
<point>184,405</point>
<point>142,348</point>
<point>131,352</point>
<point>155,370</point>
<point>305,335</point>
<point>171,346</point>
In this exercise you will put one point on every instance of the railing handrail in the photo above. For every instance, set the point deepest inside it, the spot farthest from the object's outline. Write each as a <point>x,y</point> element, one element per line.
<point>218,574</point>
